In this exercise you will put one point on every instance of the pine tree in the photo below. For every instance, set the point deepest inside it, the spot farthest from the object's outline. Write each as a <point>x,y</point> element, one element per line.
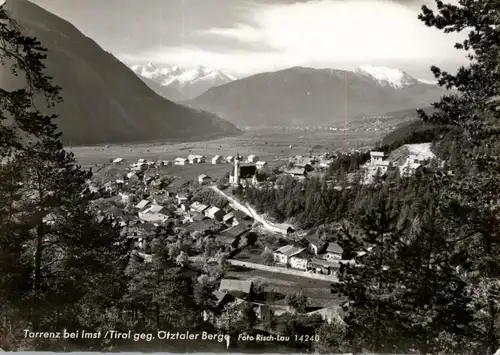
<point>369,284</point>
<point>55,256</point>
<point>470,205</point>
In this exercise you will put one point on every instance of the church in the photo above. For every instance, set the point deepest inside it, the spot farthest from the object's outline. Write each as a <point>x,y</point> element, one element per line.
<point>242,172</point>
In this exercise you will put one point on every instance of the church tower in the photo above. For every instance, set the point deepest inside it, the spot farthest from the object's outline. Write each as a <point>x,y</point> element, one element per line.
<point>237,170</point>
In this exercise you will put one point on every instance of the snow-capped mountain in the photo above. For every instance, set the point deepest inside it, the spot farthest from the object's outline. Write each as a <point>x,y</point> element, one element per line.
<point>387,76</point>
<point>190,82</point>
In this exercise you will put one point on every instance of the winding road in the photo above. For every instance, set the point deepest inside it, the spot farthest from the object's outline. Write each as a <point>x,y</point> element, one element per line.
<point>249,211</point>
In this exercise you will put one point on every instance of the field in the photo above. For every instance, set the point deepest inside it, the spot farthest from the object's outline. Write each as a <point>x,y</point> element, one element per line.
<point>317,291</point>
<point>268,145</point>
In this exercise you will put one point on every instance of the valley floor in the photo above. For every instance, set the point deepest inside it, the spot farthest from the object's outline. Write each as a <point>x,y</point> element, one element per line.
<point>267,144</point>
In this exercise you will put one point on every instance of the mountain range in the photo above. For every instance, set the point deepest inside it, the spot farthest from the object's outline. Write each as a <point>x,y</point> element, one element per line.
<point>307,96</point>
<point>104,101</point>
<point>176,83</point>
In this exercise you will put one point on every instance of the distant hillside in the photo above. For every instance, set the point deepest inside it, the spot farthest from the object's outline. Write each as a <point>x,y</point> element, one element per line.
<point>306,96</point>
<point>104,101</point>
<point>166,92</point>
<point>414,132</point>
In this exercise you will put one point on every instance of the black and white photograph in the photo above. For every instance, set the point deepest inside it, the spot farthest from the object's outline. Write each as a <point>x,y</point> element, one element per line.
<point>250,176</point>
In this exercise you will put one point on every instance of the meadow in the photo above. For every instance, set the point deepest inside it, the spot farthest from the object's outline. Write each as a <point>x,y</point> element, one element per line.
<point>268,144</point>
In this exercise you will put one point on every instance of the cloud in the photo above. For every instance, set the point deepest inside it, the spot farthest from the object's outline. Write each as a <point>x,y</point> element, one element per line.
<point>240,32</point>
<point>321,33</point>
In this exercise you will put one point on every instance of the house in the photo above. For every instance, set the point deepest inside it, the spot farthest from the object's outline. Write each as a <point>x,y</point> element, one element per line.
<point>283,254</point>
<point>300,261</point>
<point>228,218</point>
<point>110,186</point>
<point>217,159</point>
<point>334,252</point>
<point>376,157</point>
<point>198,207</point>
<point>410,169</point>
<point>127,197</point>
<point>315,245</point>
<point>201,226</point>
<point>252,158</point>
<point>221,300</point>
<point>196,159</point>
<point>145,229</point>
<point>240,215</point>
<point>321,266</point>
<point>299,173</point>
<point>154,214</point>
<point>242,289</point>
<point>181,197</point>
<point>215,213</point>
<point>118,161</point>
<point>234,232</point>
<point>230,242</point>
<point>198,217</point>
<point>132,174</point>
<point>306,164</point>
<point>330,314</point>
<point>230,159</point>
<point>204,179</point>
<point>261,164</point>
<point>139,167</point>
<point>181,161</point>
<point>142,205</point>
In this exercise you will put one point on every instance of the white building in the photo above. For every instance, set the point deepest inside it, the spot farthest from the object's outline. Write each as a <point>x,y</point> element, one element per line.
<point>217,160</point>
<point>142,205</point>
<point>299,261</point>
<point>198,207</point>
<point>196,159</point>
<point>230,159</point>
<point>376,166</point>
<point>154,214</point>
<point>376,157</point>
<point>215,213</point>
<point>261,164</point>
<point>181,161</point>
<point>118,161</point>
<point>126,197</point>
<point>252,158</point>
<point>283,254</point>
<point>204,179</point>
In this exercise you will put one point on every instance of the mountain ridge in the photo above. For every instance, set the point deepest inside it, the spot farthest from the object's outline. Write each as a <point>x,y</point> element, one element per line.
<point>307,96</point>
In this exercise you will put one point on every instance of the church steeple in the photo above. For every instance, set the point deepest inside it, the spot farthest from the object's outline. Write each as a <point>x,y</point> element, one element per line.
<point>237,170</point>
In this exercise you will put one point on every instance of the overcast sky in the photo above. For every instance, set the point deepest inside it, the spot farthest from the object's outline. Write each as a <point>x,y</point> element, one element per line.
<point>247,36</point>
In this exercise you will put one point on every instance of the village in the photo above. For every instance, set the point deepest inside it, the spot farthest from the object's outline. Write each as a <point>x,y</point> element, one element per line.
<point>209,228</point>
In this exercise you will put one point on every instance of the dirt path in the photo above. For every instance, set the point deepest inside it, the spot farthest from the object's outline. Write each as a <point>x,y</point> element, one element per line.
<point>249,211</point>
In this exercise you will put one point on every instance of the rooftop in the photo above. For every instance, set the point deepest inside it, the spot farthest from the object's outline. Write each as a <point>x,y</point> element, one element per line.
<point>289,250</point>
<point>334,248</point>
<point>235,285</point>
